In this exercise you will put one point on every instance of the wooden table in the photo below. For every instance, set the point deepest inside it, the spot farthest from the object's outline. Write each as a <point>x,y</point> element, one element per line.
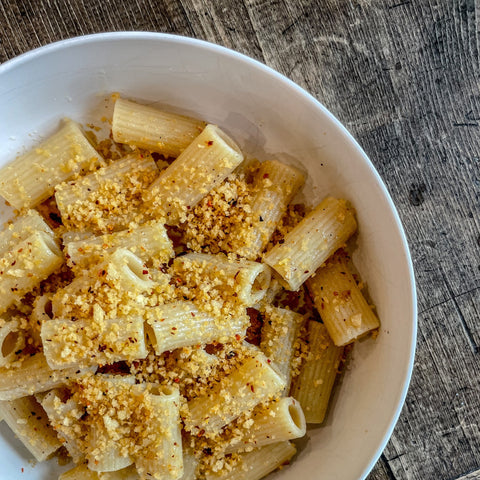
<point>402,75</point>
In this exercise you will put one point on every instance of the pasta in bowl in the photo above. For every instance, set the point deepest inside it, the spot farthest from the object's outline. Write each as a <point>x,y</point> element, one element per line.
<point>167,343</point>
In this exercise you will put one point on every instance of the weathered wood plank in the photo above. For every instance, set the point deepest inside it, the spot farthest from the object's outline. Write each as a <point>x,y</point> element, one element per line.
<point>224,23</point>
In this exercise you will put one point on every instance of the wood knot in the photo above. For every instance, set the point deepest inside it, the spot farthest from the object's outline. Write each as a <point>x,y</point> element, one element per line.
<point>415,196</point>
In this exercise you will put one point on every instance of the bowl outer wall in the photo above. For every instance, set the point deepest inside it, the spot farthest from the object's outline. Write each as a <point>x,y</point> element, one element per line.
<point>270,117</point>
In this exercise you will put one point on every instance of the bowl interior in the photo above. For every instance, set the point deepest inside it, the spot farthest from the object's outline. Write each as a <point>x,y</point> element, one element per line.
<point>269,117</point>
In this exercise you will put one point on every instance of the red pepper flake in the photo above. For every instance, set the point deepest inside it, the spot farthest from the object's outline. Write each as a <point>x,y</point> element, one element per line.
<point>145,272</point>
<point>201,432</point>
<point>335,294</point>
<point>176,380</point>
<point>23,469</point>
<point>268,360</point>
<point>265,175</point>
<point>209,203</point>
<point>210,143</point>
<point>252,389</point>
<point>238,337</point>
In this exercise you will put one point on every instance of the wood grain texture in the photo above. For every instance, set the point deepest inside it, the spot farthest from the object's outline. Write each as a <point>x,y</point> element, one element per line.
<point>402,75</point>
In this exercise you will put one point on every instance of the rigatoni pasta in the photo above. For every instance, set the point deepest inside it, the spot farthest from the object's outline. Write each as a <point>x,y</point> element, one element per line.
<point>258,463</point>
<point>312,241</point>
<point>29,422</point>
<point>181,324</point>
<point>253,382</point>
<point>202,166</point>
<point>153,129</point>
<point>313,386</point>
<point>342,306</point>
<point>277,421</point>
<point>107,199</point>
<point>25,266</point>
<point>80,343</point>
<point>140,321</point>
<point>148,241</point>
<point>33,375</point>
<point>31,177</point>
<point>163,459</point>
<point>274,187</point>
<point>280,331</point>
<point>23,227</point>
<point>248,280</point>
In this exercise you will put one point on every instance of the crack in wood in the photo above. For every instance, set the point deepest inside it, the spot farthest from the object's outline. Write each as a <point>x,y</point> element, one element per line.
<point>466,329</point>
<point>425,310</point>
<point>388,469</point>
<point>399,4</point>
<point>396,456</point>
<point>286,29</point>
<point>470,116</point>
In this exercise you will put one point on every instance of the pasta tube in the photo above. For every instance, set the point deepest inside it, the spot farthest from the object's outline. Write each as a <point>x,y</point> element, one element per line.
<point>313,386</point>
<point>96,341</point>
<point>252,383</point>
<point>122,270</point>
<point>153,129</point>
<point>342,306</point>
<point>33,376</point>
<point>248,280</point>
<point>58,410</point>
<point>279,332</point>
<point>147,241</point>
<point>107,457</point>
<point>23,227</point>
<point>31,177</point>
<point>163,460</point>
<point>109,198</point>
<point>311,242</point>
<point>24,267</point>
<point>202,166</point>
<point>258,463</point>
<point>278,421</point>
<point>29,422</point>
<point>274,187</point>
<point>181,324</point>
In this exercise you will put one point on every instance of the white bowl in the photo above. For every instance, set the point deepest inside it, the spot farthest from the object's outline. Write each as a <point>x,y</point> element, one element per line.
<point>269,116</point>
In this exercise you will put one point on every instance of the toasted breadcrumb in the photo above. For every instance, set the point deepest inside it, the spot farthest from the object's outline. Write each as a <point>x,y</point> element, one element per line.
<point>219,223</point>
